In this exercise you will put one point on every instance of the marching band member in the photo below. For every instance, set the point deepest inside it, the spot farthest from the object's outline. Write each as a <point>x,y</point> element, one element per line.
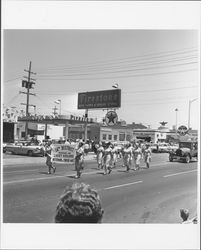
<point>48,151</point>
<point>138,156</point>
<point>79,159</point>
<point>107,159</point>
<point>100,154</point>
<point>127,156</point>
<point>147,155</point>
<point>114,154</point>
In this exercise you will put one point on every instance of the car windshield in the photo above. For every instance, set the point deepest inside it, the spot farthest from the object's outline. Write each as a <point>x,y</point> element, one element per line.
<point>185,145</point>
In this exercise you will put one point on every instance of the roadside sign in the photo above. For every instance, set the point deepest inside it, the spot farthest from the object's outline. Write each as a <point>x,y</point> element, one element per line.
<point>182,130</point>
<point>62,153</point>
<point>100,99</point>
<point>111,118</point>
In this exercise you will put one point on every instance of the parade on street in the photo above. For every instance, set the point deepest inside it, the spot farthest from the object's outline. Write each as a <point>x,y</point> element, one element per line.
<point>105,136</point>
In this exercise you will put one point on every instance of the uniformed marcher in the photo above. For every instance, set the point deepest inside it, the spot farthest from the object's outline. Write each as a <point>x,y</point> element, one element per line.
<point>138,156</point>
<point>147,155</point>
<point>79,159</point>
<point>127,156</point>
<point>48,151</point>
<point>108,159</point>
<point>114,154</point>
<point>100,155</point>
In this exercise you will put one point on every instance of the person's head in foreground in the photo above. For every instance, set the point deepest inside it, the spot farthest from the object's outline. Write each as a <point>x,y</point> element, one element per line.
<point>184,213</point>
<point>79,204</point>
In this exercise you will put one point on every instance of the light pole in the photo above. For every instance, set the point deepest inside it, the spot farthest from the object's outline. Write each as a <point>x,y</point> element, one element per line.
<point>176,110</point>
<point>115,86</point>
<point>59,102</point>
<point>189,111</point>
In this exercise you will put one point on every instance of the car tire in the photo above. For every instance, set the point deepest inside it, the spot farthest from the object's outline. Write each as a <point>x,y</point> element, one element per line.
<point>30,153</point>
<point>187,159</point>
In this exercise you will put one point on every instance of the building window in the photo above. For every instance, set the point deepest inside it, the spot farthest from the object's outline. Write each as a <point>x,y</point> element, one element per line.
<point>128,137</point>
<point>115,137</point>
<point>104,137</point>
<point>122,136</point>
<point>109,137</point>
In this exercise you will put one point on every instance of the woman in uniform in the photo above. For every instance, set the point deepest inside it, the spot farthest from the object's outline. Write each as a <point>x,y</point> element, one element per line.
<point>147,155</point>
<point>107,159</point>
<point>79,159</point>
<point>100,154</point>
<point>127,156</point>
<point>114,154</point>
<point>49,164</point>
<point>138,156</point>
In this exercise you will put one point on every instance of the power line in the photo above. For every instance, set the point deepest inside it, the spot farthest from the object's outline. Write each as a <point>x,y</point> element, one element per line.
<point>116,77</point>
<point>177,99</point>
<point>13,79</point>
<point>124,92</point>
<point>109,67</point>
<point>151,55</point>
<point>158,90</point>
<point>120,71</point>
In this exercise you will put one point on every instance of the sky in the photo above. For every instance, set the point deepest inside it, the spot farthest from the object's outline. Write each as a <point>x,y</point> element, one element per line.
<point>157,71</point>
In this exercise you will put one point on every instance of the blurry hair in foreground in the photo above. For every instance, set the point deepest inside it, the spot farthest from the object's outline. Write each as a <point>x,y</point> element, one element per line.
<point>184,213</point>
<point>79,204</point>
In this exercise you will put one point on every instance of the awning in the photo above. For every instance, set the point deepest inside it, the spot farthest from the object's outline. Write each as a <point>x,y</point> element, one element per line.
<point>35,132</point>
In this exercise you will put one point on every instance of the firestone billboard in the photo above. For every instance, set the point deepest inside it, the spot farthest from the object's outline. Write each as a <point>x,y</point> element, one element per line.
<point>100,99</point>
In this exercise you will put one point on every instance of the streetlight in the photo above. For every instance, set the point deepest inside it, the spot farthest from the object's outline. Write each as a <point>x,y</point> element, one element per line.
<point>189,111</point>
<point>115,86</point>
<point>59,102</point>
<point>176,110</point>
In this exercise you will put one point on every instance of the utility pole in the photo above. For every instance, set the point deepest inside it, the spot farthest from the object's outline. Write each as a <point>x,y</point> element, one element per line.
<point>55,111</point>
<point>85,125</point>
<point>189,112</point>
<point>28,85</point>
<point>176,110</point>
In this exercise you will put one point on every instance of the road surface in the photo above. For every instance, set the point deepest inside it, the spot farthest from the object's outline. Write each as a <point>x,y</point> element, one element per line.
<point>152,195</point>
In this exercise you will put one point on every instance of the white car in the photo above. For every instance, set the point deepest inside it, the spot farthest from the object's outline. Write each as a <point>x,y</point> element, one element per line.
<point>24,148</point>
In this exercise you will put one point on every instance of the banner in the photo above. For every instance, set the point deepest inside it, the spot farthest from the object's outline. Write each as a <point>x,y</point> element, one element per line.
<point>62,153</point>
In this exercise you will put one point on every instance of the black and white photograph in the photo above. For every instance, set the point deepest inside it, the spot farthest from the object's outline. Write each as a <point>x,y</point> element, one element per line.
<point>100,126</point>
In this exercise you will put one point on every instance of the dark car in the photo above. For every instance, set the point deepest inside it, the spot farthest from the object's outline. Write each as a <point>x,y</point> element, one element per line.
<point>186,152</point>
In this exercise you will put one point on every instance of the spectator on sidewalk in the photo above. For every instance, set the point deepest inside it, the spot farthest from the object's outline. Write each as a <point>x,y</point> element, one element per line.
<point>79,204</point>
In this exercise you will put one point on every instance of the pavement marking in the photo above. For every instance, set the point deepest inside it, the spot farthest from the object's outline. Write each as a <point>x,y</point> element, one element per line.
<point>20,171</point>
<point>123,185</point>
<point>64,176</point>
<point>186,172</point>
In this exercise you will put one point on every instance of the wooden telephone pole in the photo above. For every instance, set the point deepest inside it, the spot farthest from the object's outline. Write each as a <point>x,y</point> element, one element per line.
<point>28,85</point>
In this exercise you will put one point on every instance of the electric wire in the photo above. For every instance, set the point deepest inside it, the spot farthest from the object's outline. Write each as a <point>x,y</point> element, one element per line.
<point>151,55</point>
<point>119,76</point>
<point>105,68</point>
<point>128,70</point>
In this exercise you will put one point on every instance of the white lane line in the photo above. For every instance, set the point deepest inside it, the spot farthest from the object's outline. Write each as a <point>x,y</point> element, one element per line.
<point>35,170</point>
<point>186,172</point>
<point>123,185</point>
<point>20,171</point>
<point>59,176</point>
<point>33,179</point>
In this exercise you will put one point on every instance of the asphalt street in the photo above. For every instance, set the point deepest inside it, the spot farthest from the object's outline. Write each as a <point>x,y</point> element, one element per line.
<point>152,195</point>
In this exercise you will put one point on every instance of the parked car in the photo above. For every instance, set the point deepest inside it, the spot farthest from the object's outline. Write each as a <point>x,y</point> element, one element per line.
<point>25,148</point>
<point>173,147</point>
<point>160,148</point>
<point>186,152</point>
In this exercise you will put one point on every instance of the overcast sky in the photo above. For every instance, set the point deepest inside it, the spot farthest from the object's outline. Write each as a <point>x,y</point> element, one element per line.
<point>157,71</point>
